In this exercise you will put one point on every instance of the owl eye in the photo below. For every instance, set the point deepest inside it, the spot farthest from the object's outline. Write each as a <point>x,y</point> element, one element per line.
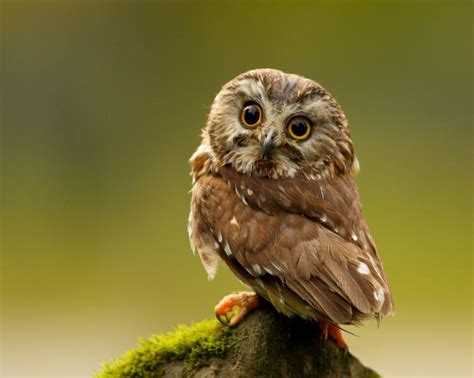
<point>251,115</point>
<point>299,128</point>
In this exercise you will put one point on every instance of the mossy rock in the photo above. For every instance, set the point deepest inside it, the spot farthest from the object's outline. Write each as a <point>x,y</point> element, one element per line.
<point>266,344</point>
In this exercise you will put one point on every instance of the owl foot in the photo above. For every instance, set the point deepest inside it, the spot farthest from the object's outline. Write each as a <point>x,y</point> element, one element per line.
<point>333,332</point>
<point>233,308</point>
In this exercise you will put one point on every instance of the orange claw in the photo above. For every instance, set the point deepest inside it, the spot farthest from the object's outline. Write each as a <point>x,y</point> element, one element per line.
<point>333,332</point>
<point>233,308</point>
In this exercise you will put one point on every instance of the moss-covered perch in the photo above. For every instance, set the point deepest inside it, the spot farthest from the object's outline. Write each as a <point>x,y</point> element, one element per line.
<point>265,344</point>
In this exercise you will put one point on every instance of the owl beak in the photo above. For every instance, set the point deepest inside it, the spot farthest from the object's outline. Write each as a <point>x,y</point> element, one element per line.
<point>268,143</point>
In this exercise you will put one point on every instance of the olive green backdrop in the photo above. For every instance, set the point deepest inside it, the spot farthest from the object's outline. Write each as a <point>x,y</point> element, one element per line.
<point>102,106</point>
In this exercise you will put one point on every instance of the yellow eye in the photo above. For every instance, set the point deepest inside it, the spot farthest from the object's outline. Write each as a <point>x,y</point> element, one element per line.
<point>299,128</point>
<point>251,115</point>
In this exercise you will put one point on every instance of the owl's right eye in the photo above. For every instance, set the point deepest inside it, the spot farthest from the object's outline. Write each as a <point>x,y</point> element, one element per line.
<point>251,115</point>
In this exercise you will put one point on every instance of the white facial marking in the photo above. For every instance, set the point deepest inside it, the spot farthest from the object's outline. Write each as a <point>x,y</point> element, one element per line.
<point>249,192</point>
<point>363,268</point>
<point>227,249</point>
<point>234,221</point>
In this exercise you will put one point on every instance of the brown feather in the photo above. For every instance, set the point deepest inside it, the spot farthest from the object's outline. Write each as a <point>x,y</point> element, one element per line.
<point>316,264</point>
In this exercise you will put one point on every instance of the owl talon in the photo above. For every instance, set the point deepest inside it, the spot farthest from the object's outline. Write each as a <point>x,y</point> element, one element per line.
<point>233,308</point>
<point>333,332</point>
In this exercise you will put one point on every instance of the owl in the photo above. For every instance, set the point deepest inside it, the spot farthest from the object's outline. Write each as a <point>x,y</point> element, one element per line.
<point>274,197</point>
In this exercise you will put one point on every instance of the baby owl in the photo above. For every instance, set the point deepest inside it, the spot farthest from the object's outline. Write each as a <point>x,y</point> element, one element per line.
<point>274,197</point>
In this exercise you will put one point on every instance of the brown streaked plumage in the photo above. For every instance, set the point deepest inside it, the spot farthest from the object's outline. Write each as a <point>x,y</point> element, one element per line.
<point>282,212</point>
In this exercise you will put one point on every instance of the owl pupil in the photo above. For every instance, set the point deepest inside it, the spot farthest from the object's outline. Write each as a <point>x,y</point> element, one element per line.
<point>299,128</point>
<point>252,115</point>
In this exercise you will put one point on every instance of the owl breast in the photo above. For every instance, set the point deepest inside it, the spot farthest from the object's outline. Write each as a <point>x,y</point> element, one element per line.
<point>285,240</point>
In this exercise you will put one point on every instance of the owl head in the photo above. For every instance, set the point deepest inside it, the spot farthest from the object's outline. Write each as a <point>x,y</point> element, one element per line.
<point>268,123</point>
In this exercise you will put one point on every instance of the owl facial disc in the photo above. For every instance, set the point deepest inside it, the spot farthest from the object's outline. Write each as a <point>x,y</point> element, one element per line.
<point>268,123</point>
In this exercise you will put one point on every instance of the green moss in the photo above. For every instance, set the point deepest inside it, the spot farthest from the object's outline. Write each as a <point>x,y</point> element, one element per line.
<point>194,345</point>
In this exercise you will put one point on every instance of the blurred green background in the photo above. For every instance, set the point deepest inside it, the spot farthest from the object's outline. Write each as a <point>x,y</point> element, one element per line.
<point>102,106</point>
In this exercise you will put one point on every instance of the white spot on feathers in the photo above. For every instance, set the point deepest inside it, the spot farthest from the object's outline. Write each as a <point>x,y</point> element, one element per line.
<point>268,270</point>
<point>249,192</point>
<point>379,295</point>
<point>209,259</point>
<point>322,192</point>
<point>244,201</point>
<point>374,265</point>
<point>193,247</point>
<point>354,237</point>
<point>250,272</point>
<point>278,267</point>
<point>280,295</point>
<point>190,229</point>
<point>234,221</point>
<point>363,268</point>
<point>257,268</point>
<point>323,218</point>
<point>227,249</point>
<point>355,166</point>
<point>219,237</point>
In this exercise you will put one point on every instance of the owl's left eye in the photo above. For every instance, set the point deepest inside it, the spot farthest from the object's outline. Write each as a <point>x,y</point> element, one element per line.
<point>299,128</point>
<point>251,115</point>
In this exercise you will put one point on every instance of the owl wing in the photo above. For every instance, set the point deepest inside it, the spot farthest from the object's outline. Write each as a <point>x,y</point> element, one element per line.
<point>302,244</point>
